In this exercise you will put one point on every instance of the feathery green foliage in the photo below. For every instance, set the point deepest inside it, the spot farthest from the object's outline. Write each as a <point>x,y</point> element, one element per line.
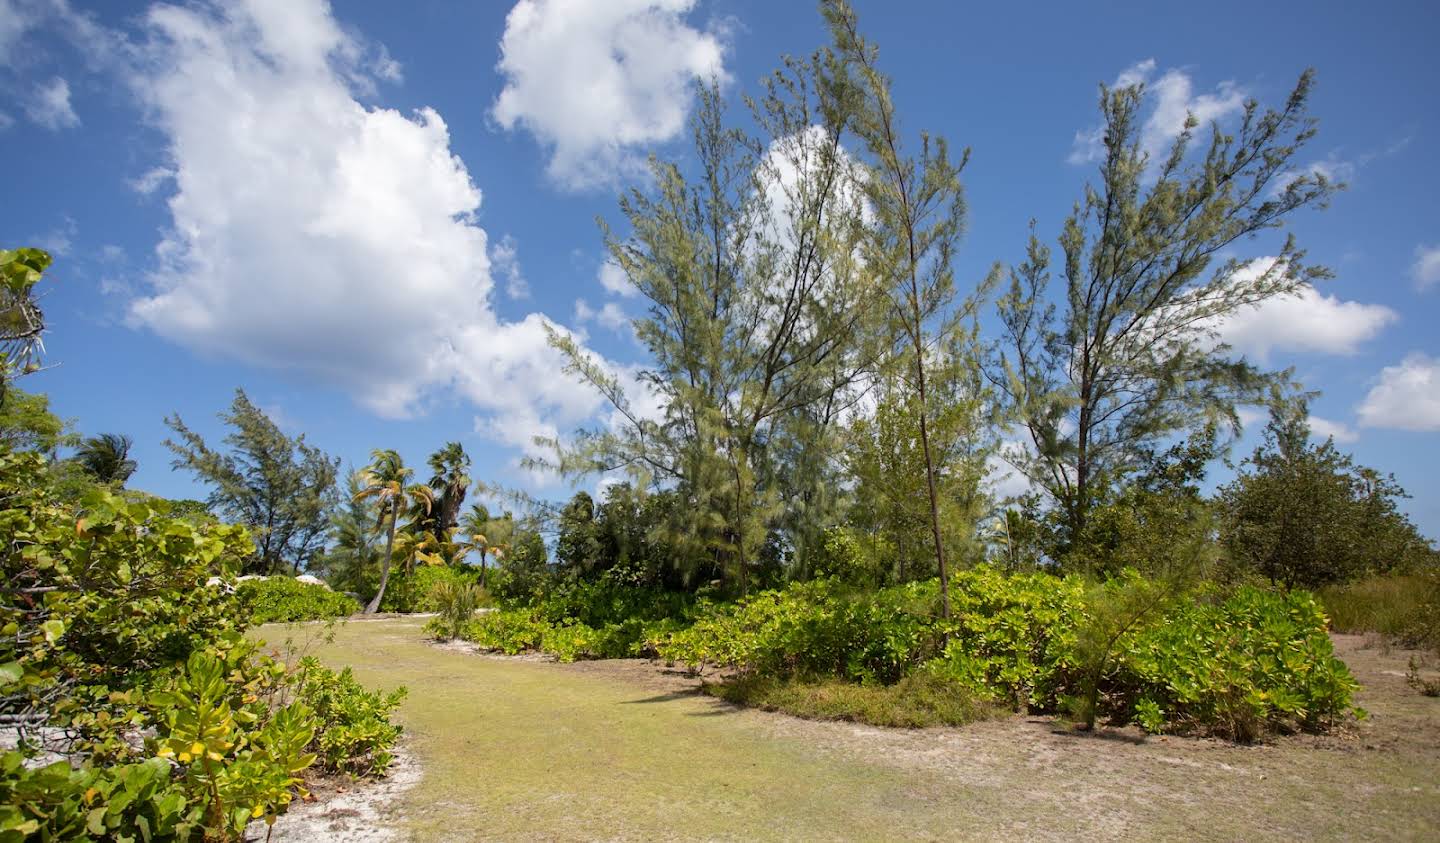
<point>1130,357</point>
<point>918,209</point>
<point>282,489</point>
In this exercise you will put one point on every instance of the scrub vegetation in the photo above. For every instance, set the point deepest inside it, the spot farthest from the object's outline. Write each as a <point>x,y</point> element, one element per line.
<point>790,511</point>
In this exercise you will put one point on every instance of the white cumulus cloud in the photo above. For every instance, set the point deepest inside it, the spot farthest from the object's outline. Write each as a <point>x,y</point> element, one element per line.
<point>596,81</point>
<point>613,278</point>
<point>316,234</point>
<point>1306,321</point>
<point>50,107</point>
<point>609,315</point>
<point>1425,272</point>
<point>1326,429</point>
<point>1405,396</point>
<point>1171,97</point>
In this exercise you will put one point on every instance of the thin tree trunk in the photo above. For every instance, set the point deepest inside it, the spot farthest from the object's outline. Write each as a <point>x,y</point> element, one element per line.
<point>385,564</point>
<point>930,486</point>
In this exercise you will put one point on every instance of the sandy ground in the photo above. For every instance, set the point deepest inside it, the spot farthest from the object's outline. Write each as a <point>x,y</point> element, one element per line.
<point>522,748</point>
<point>343,810</point>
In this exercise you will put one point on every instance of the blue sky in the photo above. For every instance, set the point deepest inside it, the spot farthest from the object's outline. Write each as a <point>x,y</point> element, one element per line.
<point>364,212</point>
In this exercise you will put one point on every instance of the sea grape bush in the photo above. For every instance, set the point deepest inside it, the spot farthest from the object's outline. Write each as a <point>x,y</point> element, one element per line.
<point>175,725</point>
<point>355,734</point>
<point>513,631</point>
<point>583,620</point>
<point>816,627</point>
<point>1012,637</point>
<point>286,600</point>
<point>1254,662</point>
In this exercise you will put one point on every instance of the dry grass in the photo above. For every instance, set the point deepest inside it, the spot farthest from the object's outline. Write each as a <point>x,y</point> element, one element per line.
<point>1403,607</point>
<point>530,750</point>
<point>917,701</point>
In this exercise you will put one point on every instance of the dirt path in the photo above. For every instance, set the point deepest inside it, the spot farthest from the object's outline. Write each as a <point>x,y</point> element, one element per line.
<point>526,749</point>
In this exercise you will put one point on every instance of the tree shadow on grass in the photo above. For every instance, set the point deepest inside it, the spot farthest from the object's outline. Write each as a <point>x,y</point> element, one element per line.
<point>1065,730</point>
<point>715,708</point>
<point>670,697</point>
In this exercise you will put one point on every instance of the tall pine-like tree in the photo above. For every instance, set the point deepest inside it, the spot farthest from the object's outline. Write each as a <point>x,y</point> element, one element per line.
<point>1127,354</point>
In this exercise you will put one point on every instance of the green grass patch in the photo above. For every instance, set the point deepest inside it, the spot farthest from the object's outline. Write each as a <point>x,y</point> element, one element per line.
<point>917,701</point>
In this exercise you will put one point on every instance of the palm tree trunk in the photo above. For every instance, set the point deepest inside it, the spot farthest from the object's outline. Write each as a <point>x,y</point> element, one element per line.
<point>385,563</point>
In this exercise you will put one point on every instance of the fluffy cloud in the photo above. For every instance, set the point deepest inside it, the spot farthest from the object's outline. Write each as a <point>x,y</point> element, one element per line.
<point>1405,397</point>
<point>151,180</point>
<point>15,19</point>
<point>316,234</point>
<point>50,106</point>
<point>615,281</point>
<point>1304,321</point>
<point>1171,98</point>
<point>505,258</point>
<point>1426,269</point>
<point>1325,429</point>
<point>610,315</point>
<point>595,81</point>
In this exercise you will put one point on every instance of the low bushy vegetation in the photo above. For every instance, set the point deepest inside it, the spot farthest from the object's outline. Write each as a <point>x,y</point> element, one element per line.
<point>286,600</point>
<point>421,590</point>
<point>168,722</point>
<point>354,734</point>
<point>1238,666</point>
<point>1403,607</point>
<point>1131,650</point>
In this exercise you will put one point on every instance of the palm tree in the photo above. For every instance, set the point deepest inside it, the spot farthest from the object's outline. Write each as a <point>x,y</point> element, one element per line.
<point>474,528</point>
<point>451,467</point>
<point>420,546</point>
<point>107,457</point>
<point>385,480</point>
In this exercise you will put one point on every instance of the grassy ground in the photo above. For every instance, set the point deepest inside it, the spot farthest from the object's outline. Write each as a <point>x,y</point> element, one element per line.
<point>527,749</point>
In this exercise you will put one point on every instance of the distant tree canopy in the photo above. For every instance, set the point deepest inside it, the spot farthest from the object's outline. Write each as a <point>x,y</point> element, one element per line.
<point>1303,514</point>
<point>282,489</point>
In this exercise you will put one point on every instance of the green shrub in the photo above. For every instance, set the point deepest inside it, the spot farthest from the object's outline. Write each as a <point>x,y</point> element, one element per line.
<point>817,628</point>
<point>1237,667</point>
<point>180,726</point>
<point>415,591</point>
<point>1012,637</point>
<point>354,733</point>
<point>602,602</point>
<point>456,602</point>
<point>1405,607</point>
<point>917,701</point>
<point>1255,662</point>
<point>286,600</point>
<point>59,802</point>
<point>598,619</point>
<point>513,631</point>
<point>509,631</point>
